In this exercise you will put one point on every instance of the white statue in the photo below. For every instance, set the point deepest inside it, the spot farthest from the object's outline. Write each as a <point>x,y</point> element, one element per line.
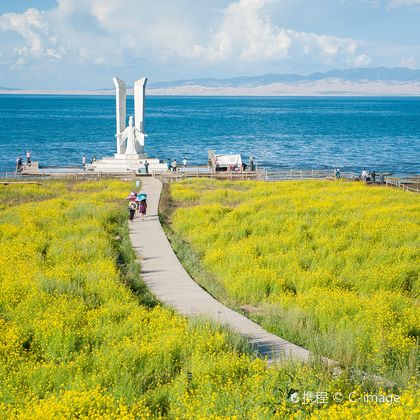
<point>134,137</point>
<point>134,133</point>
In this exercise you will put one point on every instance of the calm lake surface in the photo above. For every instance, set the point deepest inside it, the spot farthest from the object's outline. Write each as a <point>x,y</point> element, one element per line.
<point>309,133</point>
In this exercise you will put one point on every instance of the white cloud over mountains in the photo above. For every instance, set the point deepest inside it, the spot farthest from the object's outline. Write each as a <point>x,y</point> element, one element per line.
<point>109,31</point>
<point>182,39</point>
<point>247,34</point>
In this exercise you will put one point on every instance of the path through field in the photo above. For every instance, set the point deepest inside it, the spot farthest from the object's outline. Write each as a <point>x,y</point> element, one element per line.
<point>171,284</point>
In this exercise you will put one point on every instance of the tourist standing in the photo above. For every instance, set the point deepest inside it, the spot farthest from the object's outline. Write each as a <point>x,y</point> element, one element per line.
<point>146,166</point>
<point>337,173</point>
<point>142,209</point>
<point>28,158</point>
<point>373,176</point>
<point>132,207</point>
<point>185,162</point>
<point>174,165</point>
<point>363,175</point>
<point>251,163</point>
<point>84,161</point>
<point>19,163</point>
<point>169,164</point>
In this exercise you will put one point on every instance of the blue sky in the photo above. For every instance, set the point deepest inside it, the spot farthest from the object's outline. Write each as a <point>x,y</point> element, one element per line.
<point>82,44</point>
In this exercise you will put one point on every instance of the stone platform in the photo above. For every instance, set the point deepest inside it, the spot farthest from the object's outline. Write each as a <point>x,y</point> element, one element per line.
<point>122,162</point>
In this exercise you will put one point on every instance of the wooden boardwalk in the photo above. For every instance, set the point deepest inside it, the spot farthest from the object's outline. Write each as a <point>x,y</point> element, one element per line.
<point>171,284</point>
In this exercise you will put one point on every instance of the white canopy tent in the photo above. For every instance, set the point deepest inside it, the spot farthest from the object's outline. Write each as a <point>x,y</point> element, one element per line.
<point>228,161</point>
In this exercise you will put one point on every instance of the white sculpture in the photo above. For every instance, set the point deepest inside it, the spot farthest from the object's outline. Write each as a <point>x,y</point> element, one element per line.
<point>134,133</point>
<point>139,98</point>
<point>120,99</point>
<point>134,137</point>
<point>130,139</point>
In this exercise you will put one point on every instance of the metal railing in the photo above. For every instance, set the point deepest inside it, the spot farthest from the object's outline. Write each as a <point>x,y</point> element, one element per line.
<point>45,174</point>
<point>204,172</point>
<point>402,184</point>
<point>263,175</point>
<point>290,174</point>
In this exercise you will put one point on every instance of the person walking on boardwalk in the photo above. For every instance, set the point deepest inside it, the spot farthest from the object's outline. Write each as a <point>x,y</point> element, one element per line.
<point>174,165</point>
<point>185,163</point>
<point>142,209</point>
<point>132,207</point>
<point>84,161</point>
<point>146,166</point>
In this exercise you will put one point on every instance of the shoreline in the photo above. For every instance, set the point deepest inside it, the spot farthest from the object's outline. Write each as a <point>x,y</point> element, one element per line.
<point>215,95</point>
<point>325,88</point>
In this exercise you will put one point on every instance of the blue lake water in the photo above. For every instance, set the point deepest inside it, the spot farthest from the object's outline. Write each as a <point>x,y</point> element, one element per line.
<point>313,133</point>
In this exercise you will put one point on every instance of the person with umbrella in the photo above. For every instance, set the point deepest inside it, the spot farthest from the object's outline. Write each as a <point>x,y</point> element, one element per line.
<point>132,205</point>
<point>142,204</point>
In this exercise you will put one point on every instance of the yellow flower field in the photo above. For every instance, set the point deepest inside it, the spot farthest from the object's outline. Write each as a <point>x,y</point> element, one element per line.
<point>81,337</point>
<point>333,266</point>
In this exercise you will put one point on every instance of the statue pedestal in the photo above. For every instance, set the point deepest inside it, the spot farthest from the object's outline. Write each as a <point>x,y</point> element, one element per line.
<point>124,163</point>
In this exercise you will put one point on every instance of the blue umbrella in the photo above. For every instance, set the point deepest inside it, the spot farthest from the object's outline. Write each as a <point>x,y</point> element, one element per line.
<point>141,197</point>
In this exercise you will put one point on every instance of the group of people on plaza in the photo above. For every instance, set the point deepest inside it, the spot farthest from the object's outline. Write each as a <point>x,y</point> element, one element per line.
<point>19,161</point>
<point>92,159</point>
<point>370,177</point>
<point>173,164</point>
<point>364,176</point>
<point>137,206</point>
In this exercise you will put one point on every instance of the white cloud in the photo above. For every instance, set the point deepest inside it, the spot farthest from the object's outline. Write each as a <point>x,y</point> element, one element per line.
<point>360,61</point>
<point>33,27</point>
<point>114,32</point>
<point>409,62</point>
<point>179,39</point>
<point>246,34</point>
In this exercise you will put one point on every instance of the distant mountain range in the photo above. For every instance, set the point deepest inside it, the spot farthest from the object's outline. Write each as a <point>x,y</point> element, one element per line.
<point>8,88</point>
<point>385,74</point>
<point>378,81</point>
